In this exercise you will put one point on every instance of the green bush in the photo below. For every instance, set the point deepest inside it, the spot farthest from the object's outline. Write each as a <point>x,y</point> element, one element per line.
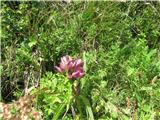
<point>55,95</point>
<point>119,43</point>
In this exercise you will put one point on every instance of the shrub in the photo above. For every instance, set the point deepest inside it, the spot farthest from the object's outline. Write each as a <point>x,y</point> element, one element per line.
<point>119,44</point>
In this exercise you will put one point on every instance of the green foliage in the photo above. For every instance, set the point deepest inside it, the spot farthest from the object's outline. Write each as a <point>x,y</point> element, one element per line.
<point>119,43</point>
<point>55,95</point>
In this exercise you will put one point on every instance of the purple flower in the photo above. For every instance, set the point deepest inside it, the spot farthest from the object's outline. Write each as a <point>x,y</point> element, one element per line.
<point>73,67</point>
<point>77,74</point>
<point>64,64</point>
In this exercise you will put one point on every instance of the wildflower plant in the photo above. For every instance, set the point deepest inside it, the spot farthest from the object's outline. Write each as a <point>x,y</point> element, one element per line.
<point>72,67</point>
<point>119,40</point>
<point>61,90</point>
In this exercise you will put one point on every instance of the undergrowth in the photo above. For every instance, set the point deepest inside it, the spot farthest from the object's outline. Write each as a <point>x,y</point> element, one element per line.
<point>118,42</point>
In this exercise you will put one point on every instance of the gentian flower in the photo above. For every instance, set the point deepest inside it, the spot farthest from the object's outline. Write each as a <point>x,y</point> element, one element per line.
<point>73,67</point>
<point>64,64</point>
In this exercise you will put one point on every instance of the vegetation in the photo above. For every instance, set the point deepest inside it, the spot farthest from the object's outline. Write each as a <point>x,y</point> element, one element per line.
<point>118,42</point>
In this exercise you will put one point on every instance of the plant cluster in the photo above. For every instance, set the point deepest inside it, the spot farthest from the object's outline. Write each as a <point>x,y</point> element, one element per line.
<point>72,67</point>
<point>116,75</point>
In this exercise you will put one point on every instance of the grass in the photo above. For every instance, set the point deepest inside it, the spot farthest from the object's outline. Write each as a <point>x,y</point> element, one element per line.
<point>117,41</point>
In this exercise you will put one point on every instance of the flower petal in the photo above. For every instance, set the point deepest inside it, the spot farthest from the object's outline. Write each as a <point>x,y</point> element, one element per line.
<point>77,74</point>
<point>58,69</point>
<point>79,62</point>
<point>71,65</point>
<point>74,67</point>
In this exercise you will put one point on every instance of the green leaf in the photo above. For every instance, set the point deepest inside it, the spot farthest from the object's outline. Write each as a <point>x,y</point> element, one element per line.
<point>114,114</point>
<point>32,42</point>
<point>146,88</point>
<point>1,69</point>
<point>130,71</point>
<point>88,107</point>
<point>146,108</point>
<point>59,111</point>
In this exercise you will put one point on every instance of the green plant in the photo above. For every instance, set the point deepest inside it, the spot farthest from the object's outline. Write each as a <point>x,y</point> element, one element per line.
<point>55,95</point>
<point>119,44</point>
